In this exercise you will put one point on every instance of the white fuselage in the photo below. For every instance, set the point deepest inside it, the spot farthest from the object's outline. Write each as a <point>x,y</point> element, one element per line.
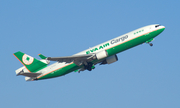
<point>103,46</point>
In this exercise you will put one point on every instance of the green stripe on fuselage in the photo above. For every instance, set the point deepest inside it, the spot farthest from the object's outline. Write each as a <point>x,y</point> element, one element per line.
<point>111,51</point>
<point>60,72</point>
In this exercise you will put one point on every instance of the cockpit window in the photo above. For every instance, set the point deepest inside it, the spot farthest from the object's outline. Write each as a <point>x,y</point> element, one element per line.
<point>157,26</point>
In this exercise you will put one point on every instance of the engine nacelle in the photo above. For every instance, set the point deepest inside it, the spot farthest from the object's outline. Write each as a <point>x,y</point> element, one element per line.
<point>110,60</point>
<point>45,61</point>
<point>101,54</point>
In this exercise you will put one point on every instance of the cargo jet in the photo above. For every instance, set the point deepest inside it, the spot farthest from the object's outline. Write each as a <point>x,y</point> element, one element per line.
<point>102,54</point>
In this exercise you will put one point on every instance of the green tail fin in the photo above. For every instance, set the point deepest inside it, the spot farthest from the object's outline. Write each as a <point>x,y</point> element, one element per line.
<point>32,64</point>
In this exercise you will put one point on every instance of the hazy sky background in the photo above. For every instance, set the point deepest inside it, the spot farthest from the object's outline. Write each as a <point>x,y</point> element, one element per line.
<point>144,76</point>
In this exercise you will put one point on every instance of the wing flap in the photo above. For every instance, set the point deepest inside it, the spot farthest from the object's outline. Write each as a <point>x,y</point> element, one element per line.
<point>75,58</point>
<point>70,57</point>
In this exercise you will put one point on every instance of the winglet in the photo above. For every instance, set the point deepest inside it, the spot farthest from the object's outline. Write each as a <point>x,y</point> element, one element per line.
<point>42,56</point>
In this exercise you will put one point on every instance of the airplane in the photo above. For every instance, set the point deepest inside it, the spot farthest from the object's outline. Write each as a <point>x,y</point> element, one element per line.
<point>102,54</point>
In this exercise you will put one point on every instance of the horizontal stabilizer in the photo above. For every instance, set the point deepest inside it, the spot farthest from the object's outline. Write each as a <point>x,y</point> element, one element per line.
<point>29,74</point>
<point>30,78</point>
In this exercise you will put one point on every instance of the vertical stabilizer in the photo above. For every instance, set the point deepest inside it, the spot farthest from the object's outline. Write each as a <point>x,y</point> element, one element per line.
<point>31,64</point>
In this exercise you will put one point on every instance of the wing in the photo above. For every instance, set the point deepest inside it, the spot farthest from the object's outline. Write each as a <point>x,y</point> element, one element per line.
<point>77,59</point>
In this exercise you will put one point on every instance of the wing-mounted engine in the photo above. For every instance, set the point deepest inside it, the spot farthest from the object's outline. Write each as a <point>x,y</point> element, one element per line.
<point>87,62</point>
<point>109,60</point>
<point>101,54</point>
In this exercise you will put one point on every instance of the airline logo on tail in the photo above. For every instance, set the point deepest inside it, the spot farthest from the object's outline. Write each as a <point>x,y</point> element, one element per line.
<point>32,64</point>
<point>27,59</point>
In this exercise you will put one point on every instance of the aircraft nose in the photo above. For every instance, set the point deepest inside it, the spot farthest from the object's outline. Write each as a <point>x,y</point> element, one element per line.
<point>163,27</point>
